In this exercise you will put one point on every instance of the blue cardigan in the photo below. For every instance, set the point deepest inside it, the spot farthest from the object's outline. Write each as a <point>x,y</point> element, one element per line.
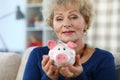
<point>99,67</point>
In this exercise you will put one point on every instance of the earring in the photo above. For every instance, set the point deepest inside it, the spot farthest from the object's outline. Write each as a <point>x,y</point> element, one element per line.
<point>85,32</point>
<point>85,35</point>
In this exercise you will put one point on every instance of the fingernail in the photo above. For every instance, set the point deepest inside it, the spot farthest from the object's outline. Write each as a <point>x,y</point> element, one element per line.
<point>43,56</point>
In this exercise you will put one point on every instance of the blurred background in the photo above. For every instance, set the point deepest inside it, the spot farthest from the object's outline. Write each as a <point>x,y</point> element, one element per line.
<point>104,32</point>
<point>12,30</point>
<point>18,33</point>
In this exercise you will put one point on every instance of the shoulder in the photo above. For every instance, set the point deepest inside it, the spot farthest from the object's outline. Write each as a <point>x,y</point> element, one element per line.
<point>40,50</point>
<point>103,53</point>
<point>100,56</point>
<point>37,52</point>
<point>103,57</point>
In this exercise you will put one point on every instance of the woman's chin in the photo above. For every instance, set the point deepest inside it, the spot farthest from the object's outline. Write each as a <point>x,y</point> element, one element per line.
<point>70,39</point>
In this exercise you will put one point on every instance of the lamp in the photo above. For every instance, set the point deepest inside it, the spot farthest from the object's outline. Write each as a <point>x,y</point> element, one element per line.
<point>18,12</point>
<point>19,15</point>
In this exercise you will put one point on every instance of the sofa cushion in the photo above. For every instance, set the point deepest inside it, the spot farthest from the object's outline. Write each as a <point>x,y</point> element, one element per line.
<point>9,65</point>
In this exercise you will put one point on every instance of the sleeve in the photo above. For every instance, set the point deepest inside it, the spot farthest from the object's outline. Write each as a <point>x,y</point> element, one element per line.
<point>80,77</point>
<point>106,69</point>
<point>45,77</point>
<point>31,70</point>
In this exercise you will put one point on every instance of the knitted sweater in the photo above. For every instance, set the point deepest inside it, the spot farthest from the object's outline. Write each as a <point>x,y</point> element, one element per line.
<point>100,66</point>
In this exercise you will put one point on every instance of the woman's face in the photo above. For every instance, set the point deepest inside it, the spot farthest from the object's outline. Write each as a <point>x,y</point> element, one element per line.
<point>68,24</point>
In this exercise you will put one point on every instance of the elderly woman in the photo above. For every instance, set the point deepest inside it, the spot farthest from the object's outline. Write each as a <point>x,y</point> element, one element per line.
<point>70,20</point>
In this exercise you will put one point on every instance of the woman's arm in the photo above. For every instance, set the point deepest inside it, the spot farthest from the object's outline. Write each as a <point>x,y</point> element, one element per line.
<point>106,69</point>
<point>32,69</point>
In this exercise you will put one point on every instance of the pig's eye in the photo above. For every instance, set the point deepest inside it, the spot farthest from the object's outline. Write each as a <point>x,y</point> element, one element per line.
<point>64,48</point>
<point>58,48</point>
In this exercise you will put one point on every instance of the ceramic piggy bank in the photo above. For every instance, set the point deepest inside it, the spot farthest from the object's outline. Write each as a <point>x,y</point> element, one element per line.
<point>61,53</point>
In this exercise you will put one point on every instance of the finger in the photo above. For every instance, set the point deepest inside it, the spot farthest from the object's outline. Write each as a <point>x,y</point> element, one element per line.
<point>56,72</point>
<point>74,68</point>
<point>46,63</point>
<point>66,72</point>
<point>58,68</point>
<point>71,67</point>
<point>78,62</point>
<point>49,63</point>
<point>52,70</point>
<point>45,60</point>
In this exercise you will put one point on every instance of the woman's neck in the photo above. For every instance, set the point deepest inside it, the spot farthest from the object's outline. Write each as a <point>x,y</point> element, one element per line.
<point>80,47</point>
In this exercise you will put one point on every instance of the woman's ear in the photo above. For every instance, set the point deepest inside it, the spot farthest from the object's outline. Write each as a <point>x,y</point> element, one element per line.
<point>85,28</point>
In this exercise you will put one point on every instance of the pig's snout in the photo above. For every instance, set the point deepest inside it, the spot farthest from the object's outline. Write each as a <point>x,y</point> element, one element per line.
<point>61,58</point>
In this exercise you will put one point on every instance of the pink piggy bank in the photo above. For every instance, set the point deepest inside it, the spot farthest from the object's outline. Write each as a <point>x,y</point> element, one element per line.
<point>62,53</point>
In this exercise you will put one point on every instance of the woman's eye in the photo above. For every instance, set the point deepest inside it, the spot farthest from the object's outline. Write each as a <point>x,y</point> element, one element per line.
<point>73,17</point>
<point>59,19</point>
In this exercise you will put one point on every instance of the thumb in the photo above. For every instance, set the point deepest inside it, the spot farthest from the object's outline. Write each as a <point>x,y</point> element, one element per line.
<point>77,60</point>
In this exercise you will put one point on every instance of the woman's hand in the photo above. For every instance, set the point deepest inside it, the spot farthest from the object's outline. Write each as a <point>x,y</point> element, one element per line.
<point>48,67</point>
<point>75,70</point>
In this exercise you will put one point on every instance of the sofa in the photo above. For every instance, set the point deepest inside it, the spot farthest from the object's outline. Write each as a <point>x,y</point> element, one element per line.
<point>12,65</point>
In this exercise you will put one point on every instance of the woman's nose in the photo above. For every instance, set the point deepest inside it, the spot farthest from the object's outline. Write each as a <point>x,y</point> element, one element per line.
<point>67,23</point>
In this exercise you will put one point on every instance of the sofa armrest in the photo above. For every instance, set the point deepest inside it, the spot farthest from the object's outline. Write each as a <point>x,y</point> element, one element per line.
<point>23,63</point>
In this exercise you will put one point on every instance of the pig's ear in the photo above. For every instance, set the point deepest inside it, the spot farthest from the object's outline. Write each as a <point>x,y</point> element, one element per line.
<point>71,45</point>
<point>51,44</point>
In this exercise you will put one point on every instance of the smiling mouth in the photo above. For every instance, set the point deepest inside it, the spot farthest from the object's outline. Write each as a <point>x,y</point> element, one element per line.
<point>68,32</point>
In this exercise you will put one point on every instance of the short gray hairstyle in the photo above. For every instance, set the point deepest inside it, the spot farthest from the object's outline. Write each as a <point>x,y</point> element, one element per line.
<point>85,7</point>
